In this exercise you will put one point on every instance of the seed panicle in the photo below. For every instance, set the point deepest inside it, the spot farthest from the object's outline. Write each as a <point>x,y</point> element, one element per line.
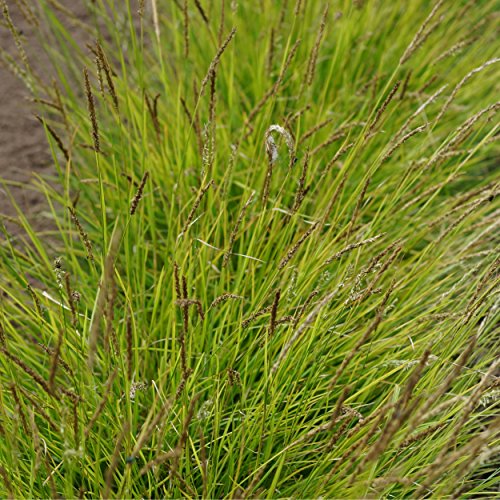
<point>83,235</point>
<point>381,109</point>
<point>196,204</point>
<point>56,138</point>
<point>234,232</point>
<point>418,38</point>
<point>215,61</point>
<point>286,259</point>
<point>351,247</point>
<point>138,195</point>
<point>92,112</point>
<point>223,298</point>
<point>313,58</point>
<point>462,82</point>
<point>108,72</point>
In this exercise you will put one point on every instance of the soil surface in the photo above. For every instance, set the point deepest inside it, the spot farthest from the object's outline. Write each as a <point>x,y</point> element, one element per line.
<point>24,151</point>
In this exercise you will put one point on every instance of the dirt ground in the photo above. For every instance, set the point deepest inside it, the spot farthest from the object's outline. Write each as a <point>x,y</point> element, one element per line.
<point>23,147</point>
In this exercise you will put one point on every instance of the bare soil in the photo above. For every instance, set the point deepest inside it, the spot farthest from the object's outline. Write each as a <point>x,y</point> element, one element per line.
<point>24,151</point>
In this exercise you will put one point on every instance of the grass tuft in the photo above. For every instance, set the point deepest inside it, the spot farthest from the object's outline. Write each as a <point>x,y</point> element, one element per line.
<point>168,336</point>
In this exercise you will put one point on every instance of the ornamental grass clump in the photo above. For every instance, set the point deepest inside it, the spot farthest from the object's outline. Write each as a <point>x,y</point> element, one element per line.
<point>276,274</point>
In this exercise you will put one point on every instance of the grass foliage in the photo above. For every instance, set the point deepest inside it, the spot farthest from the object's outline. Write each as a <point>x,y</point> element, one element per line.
<point>272,270</point>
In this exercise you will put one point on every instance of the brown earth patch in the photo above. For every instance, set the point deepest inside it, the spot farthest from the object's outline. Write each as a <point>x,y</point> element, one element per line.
<point>24,151</point>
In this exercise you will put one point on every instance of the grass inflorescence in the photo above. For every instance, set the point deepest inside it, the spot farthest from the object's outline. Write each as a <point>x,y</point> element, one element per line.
<point>277,275</point>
